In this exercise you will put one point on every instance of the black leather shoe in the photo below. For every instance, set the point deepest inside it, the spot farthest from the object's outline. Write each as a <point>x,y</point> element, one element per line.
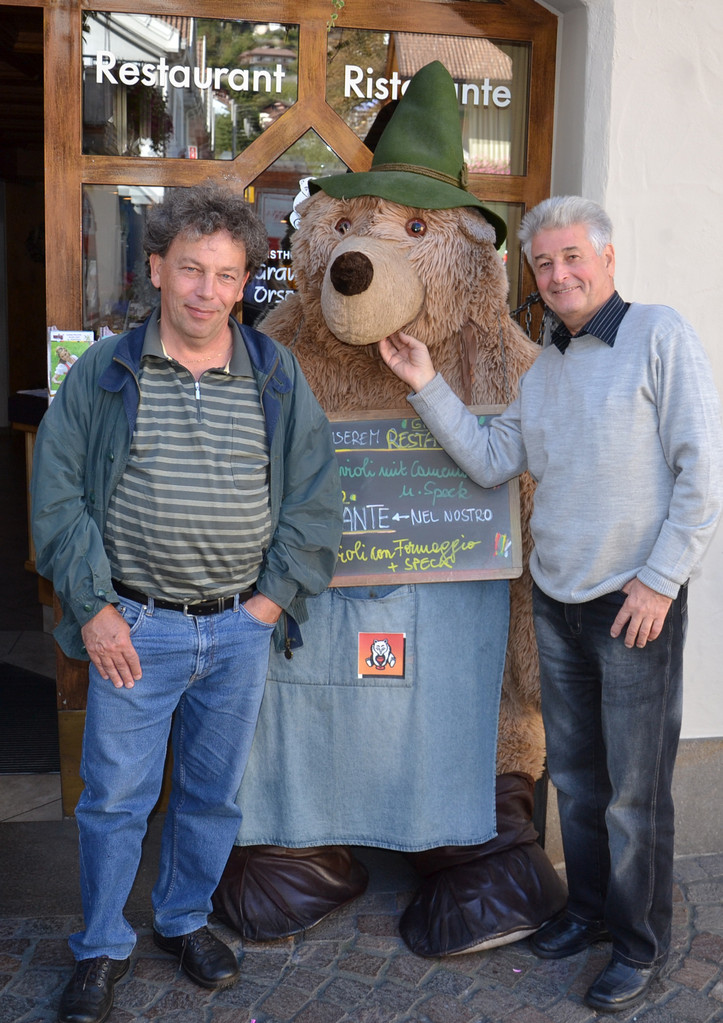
<point>205,959</point>
<point>565,937</point>
<point>88,997</point>
<point>620,987</point>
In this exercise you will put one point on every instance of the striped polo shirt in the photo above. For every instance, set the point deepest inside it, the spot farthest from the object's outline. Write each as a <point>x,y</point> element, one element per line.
<point>190,518</point>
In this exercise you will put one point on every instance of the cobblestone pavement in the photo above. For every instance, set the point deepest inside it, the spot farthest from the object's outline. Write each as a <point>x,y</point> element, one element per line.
<point>354,968</point>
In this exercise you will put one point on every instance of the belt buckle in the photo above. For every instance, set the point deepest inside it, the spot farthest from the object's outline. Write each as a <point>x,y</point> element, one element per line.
<point>204,607</point>
<point>188,609</point>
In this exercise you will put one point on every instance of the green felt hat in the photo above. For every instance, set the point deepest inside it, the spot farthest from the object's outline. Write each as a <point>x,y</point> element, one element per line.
<point>419,159</point>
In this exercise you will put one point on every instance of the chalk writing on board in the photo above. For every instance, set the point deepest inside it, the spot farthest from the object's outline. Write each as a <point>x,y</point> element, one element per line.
<point>411,514</point>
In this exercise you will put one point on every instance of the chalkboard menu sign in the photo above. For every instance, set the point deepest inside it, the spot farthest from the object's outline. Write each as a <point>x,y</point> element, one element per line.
<point>411,514</point>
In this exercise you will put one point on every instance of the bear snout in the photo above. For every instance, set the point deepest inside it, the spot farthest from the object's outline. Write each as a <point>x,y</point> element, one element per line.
<point>370,289</point>
<point>351,273</point>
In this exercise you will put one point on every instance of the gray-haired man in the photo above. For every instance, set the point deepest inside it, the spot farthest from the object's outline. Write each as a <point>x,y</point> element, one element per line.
<point>619,422</point>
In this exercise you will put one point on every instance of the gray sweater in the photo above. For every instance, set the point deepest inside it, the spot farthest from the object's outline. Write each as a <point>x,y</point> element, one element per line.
<point>625,444</point>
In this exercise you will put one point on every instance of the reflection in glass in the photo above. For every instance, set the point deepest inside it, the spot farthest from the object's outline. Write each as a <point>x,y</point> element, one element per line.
<point>117,292</point>
<point>273,193</point>
<point>367,71</point>
<point>173,86</point>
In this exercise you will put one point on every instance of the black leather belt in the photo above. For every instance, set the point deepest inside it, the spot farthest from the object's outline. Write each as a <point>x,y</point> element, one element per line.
<point>214,606</point>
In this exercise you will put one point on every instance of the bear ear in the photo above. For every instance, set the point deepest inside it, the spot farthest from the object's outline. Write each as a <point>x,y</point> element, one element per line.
<point>474,225</point>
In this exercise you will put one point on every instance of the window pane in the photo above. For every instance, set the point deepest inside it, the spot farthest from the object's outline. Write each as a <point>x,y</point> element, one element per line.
<point>367,70</point>
<point>117,293</point>
<point>273,194</point>
<point>183,87</point>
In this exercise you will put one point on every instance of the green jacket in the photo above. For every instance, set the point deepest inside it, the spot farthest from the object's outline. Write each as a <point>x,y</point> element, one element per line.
<point>81,452</point>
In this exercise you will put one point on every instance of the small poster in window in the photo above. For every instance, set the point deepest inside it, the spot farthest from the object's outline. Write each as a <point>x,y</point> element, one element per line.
<point>64,349</point>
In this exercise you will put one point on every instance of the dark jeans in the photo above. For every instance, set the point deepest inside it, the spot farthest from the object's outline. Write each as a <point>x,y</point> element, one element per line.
<point>612,722</point>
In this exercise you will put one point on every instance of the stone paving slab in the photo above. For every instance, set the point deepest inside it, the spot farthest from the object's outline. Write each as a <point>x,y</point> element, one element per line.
<point>354,968</point>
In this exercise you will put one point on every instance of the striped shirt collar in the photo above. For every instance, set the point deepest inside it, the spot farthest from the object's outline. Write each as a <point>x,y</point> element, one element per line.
<point>238,366</point>
<point>603,325</point>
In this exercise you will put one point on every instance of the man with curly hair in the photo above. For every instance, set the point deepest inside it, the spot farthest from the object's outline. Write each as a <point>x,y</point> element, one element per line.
<point>186,499</point>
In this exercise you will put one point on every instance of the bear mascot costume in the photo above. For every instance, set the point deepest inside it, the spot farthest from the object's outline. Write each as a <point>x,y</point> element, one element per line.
<point>439,761</point>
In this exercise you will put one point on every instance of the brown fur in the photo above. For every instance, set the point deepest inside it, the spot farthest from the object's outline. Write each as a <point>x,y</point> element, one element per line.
<point>473,342</point>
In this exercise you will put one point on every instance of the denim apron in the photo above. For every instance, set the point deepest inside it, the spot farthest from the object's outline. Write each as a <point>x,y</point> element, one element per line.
<point>353,750</point>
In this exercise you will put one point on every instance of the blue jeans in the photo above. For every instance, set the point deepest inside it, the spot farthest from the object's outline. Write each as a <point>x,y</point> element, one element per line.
<point>612,721</point>
<point>203,680</point>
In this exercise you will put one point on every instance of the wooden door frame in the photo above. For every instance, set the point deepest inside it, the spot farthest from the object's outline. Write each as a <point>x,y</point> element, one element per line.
<point>67,169</point>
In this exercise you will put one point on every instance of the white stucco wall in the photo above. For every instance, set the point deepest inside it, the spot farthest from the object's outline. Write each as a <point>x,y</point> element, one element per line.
<point>640,85</point>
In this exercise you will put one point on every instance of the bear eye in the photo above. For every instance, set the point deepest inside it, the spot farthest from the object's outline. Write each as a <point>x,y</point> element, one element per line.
<point>343,225</point>
<point>416,228</point>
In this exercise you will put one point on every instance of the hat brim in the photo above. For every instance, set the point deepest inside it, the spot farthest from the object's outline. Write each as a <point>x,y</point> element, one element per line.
<point>408,189</point>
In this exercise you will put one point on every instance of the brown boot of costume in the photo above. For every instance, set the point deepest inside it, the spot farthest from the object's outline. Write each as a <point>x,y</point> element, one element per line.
<point>268,892</point>
<point>478,897</point>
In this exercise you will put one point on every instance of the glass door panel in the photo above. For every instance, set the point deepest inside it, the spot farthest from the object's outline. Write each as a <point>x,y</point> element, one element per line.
<point>117,293</point>
<point>195,88</point>
<point>367,71</point>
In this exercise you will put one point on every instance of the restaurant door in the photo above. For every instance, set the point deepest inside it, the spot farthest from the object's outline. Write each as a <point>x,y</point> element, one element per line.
<point>142,98</point>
